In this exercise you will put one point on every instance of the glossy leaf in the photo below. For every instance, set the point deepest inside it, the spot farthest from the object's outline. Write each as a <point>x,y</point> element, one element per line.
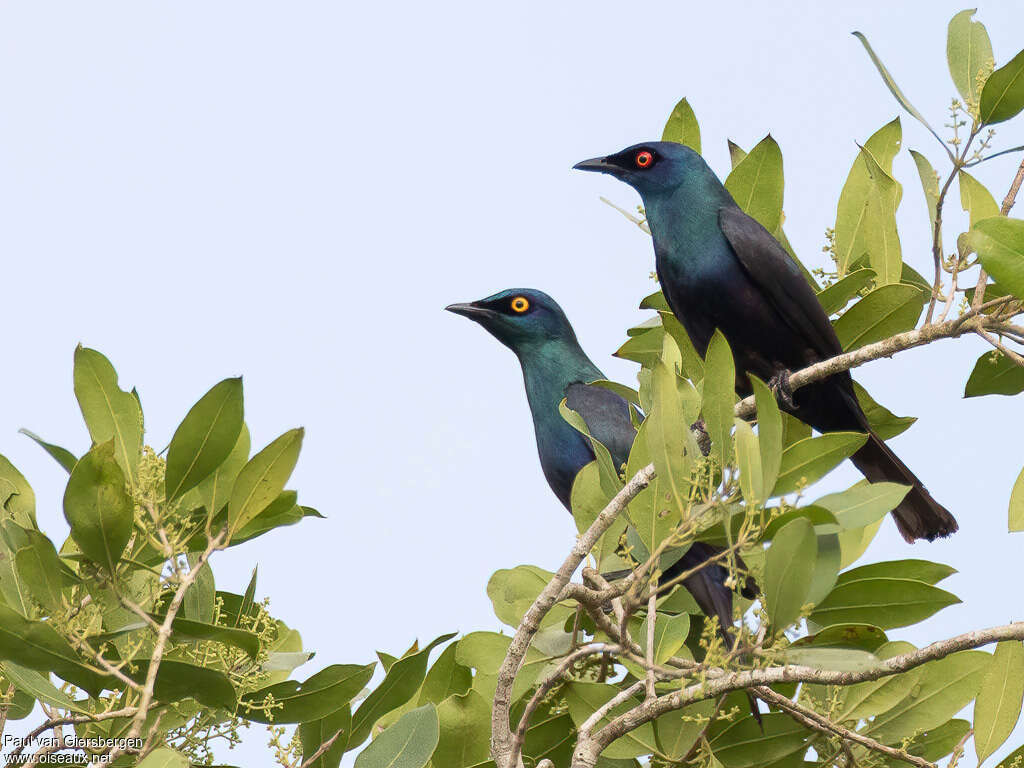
<point>400,684</point>
<point>1003,94</point>
<point>883,602</point>
<point>969,53</point>
<point>884,312</point>
<point>976,199</point>
<point>748,458</point>
<point>837,659</point>
<point>408,743</point>
<point>584,699</point>
<point>812,458</point>
<point>263,478</point>
<point>946,687</point>
<point>864,503</point>
<point>995,374</point>
<point>204,439</point>
<point>38,685</point>
<point>326,692</point>
<point>214,492</point>
<point>788,567</point>
<point>677,732</point>
<point>1000,698</point>
<point>17,500</point>
<point>682,126</point>
<point>513,590</point>
<point>893,88</point>
<point>315,734</point>
<point>110,413</point>
<point>918,570</point>
<point>770,433</point>
<point>864,700</point>
<point>40,570</point>
<point>844,290</point>
<point>930,186</point>
<point>37,645</point>
<point>1016,520</point>
<point>62,456</point>
<point>670,634</point>
<point>178,680</point>
<point>98,508</point>
<point>736,153</point>
<point>445,677</point>
<point>586,500</point>
<point>719,396</point>
<point>999,243</point>
<point>643,348</point>
<point>745,743</point>
<point>756,183</point>
<point>884,422</point>
<point>465,730</point>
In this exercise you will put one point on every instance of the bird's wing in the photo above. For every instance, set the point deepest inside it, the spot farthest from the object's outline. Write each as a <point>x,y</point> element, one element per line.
<point>607,416</point>
<point>779,278</point>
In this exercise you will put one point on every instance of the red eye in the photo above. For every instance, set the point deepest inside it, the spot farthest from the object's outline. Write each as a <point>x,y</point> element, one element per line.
<point>644,159</point>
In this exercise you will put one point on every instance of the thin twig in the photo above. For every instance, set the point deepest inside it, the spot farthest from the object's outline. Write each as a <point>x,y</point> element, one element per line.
<point>308,762</point>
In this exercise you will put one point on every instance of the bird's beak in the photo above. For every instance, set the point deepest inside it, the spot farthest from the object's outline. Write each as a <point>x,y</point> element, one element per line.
<point>597,164</point>
<point>471,310</point>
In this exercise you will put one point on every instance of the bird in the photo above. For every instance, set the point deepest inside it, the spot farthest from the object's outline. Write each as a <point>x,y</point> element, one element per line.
<point>555,367</point>
<point>720,269</point>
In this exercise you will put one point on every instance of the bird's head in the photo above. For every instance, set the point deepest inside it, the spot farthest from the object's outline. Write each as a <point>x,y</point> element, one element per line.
<point>650,168</point>
<point>519,318</point>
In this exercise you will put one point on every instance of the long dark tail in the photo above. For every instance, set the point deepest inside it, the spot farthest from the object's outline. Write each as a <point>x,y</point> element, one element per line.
<point>918,516</point>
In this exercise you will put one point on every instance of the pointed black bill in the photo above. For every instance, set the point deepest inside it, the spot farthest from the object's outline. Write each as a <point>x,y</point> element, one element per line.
<point>596,164</point>
<point>471,310</point>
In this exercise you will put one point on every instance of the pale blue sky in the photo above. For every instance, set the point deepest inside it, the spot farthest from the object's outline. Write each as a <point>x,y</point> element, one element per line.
<point>293,191</point>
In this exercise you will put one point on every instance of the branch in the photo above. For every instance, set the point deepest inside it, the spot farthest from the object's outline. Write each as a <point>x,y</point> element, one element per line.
<point>501,734</point>
<point>720,681</point>
<point>308,762</point>
<point>818,722</point>
<point>1008,201</point>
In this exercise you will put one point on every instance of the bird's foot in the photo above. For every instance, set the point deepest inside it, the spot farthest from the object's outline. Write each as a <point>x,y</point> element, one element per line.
<point>703,438</point>
<point>779,384</point>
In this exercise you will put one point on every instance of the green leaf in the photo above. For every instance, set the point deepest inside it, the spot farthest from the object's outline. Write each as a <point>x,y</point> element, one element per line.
<point>655,301</point>
<point>669,635</point>
<point>682,126</point>
<point>969,53</point>
<point>485,651</point>
<point>37,645</point>
<point>826,567</point>
<point>628,394</point>
<point>810,459</point>
<point>853,543</point>
<point>318,696</point>
<point>862,637</point>
<point>936,742</point>
<point>39,686</point>
<point>756,183</point>
<point>17,500</point>
<point>465,722</point>
<point>408,743</point>
<point>513,591</point>
<point>999,243</point>
<point>746,742</point>
<point>719,396</point>
<point>788,566</point>
<point>200,600</point>
<point>643,348</point>
<point>314,734</point>
<point>946,687</point>
<point>1003,94</point>
<point>677,732</point>
<point>840,293</point>
<point>98,508</point>
<point>895,89</point>
<point>864,503</point>
<point>884,422</point>
<point>110,413</point>
<point>976,199</point>
<point>189,629</point>
<point>63,456</point>
<point>164,757</point>
<point>918,570</point>
<point>609,472</point>
<point>995,374</point>
<point>837,659</point>
<point>584,699</point>
<point>446,677</point>
<point>1016,520</point>
<point>748,457</point>
<point>177,680</point>
<point>400,684</point>
<point>884,602</point>
<point>1013,760</point>
<point>999,700</point>
<point>204,439</point>
<point>586,500</point>
<point>930,185</point>
<point>886,311</point>
<point>736,153</point>
<point>263,478</point>
<point>864,700</point>
<point>40,570</point>
<point>769,432</point>
<point>213,492</point>
<point>865,215</point>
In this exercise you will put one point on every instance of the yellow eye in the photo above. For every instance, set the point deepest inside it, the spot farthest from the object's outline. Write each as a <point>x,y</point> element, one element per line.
<point>520,304</point>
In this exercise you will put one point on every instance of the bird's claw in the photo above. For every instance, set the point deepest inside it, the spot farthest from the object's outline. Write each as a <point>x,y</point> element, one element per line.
<point>703,438</point>
<point>779,384</point>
